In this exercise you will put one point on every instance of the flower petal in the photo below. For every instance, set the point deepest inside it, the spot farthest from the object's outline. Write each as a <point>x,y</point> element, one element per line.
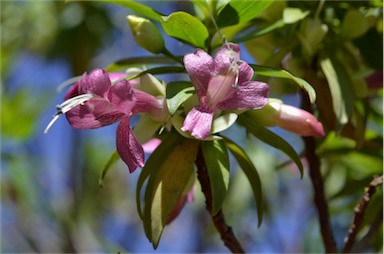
<point>248,95</point>
<point>97,82</point>
<point>122,97</point>
<point>198,122</point>
<point>226,55</point>
<point>200,67</point>
<point>129,149</point>
<point>245,72</point>
<point>95,113</point>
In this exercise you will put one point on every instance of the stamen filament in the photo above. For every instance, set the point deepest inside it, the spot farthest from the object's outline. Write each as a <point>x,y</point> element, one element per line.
<point>67,106</point>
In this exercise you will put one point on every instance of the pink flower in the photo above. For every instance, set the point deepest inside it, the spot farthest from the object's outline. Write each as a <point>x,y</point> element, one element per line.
<point>93,102</point>
<point>221,83</point>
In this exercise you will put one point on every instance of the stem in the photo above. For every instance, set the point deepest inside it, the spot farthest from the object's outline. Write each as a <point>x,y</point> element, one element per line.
<point>318,187</point>
<point>226,233</point>
<point>359,213</point>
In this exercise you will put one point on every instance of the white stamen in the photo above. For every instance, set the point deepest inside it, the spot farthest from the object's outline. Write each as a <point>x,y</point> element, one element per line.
<point>67,106</point>
<point>234,67</point>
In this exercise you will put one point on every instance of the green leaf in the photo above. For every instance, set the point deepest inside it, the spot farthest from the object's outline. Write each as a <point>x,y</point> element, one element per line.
<point>271,72</point>
<point>138,8</point>
<point>251,173</point>
<point>114,157</point>
<point>223,122</point>
<point>341,89</point>
<point>265,30</point>
<point>240,11</point>
<point>166,185</point>
<point>293,15</point>
<point>151,166</point>
<point>138,61</point>
<point>217,162</point>
<point>271,139</point>
<point>177,93</point>
<point>186,27</point>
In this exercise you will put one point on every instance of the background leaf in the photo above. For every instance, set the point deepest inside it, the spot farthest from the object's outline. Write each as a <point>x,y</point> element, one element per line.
<point>114,157</point>
<point>238,11</point>
<point>186,27</point>
<point>271,72</point>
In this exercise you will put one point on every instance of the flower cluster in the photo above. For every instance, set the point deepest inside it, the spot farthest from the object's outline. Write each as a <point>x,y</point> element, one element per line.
<point>221,83</point>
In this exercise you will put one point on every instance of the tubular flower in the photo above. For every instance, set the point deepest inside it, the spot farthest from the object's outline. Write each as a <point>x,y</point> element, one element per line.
<point>221,83</point>
<point>290,118</point>
<point>94,102</point>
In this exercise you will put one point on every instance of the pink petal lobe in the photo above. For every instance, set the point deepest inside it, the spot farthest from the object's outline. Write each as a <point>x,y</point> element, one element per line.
<point>129,149</point>
<point>248,95</point>
<point>200,67</point>
<point>97,82</point>
<point>114,76</point>
<point>227,54</point>
<point>122,97</point>
<point>151,145</point>
<point>198,122</point>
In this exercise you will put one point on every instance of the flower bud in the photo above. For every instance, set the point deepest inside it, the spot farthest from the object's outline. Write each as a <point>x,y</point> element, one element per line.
<point>146,34</point>
<point>290,118</point>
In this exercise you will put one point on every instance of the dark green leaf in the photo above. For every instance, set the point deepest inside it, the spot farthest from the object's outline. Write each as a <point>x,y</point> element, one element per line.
<point>159,70</point>
<point>166,185</point>
<point>341,89</point>
<point>114,157</point>
<point>271,139</point>
<point>240,11</point>
<point>138,8</point>
<point>177,93</point>
<point>265,30</point>
<point>251,173</point>
<point>186,27</point>
<point>271,72</point>
<point>138,61</point>
<point>217,161</point>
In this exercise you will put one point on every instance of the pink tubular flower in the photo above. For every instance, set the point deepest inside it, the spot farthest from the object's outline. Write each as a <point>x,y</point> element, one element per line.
<point>221,83</point>
<point>94,102</point>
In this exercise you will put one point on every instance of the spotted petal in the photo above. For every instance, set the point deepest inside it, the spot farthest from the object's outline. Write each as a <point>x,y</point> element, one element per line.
<point>198,122</point>
<point>129,149</point>
<point>248,95</point>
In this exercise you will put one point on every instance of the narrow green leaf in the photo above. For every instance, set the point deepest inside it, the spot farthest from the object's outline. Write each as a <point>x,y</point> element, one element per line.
<point>217,161</point>
<point>186,27</point>
<point>177,93</point>
<point>341,90</point>
<point>240,11</point>
<point>166,186</point>
<point>156,158</point>
<point>271,72</point>
<point>293,15</point>
<point>114,157</point>
<point>271,139</point>
<point>159,70</point>
<point>139,61</point>
<point>265,30</point>
<point>251,173</point>
<point>137,7</point>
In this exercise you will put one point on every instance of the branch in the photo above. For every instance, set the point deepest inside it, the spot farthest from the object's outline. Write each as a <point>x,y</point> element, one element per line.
<point>318,187</point>
<point>226,233</point>
<point>359,213</point>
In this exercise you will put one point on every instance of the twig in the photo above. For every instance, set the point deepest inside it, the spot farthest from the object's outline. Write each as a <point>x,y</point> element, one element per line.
<point>226,233</point>
<point>359,213</point>
<point>318,187</point>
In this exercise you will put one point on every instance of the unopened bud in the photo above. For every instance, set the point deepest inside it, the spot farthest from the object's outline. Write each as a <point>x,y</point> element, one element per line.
<point>146,34</point>
<point>290,118</point>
